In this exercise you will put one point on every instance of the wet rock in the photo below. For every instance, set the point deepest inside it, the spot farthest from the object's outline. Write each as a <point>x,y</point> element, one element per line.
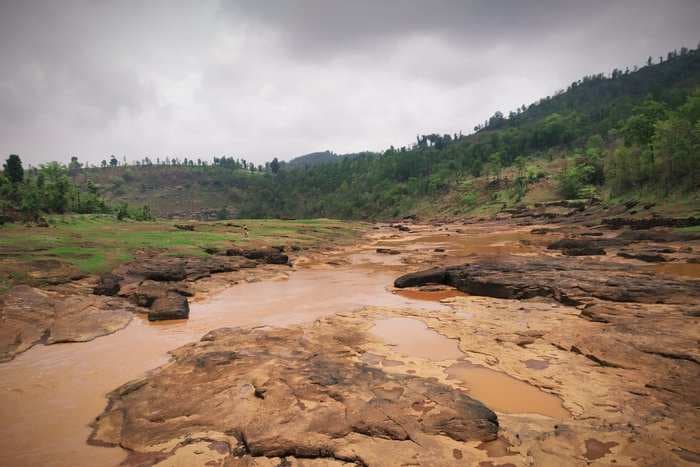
<point>108,284</point>
<point>291,392</point>
<point>388,251</point>
<point>651,222</point>
<point>646,256</point>
<point>430,276</point>
<point>583,251</point>
<point>583,244</point>
<point>658,236</point>
<point>172,306</point>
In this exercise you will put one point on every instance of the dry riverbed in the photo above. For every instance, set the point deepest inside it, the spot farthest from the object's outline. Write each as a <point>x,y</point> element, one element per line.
<point>525,356</point>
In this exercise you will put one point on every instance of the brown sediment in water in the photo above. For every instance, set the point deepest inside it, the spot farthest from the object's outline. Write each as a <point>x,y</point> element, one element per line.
<point>596,449</point>
<point>411,338</point>
<point>479,242</point>
<point>503,393</point>
<point>677,269</point>
<point>430,295</point>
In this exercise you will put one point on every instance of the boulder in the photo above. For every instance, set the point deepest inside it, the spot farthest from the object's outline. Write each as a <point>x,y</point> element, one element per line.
<point>149,291</point>
<point>108,284</point>
<point>172,306</point>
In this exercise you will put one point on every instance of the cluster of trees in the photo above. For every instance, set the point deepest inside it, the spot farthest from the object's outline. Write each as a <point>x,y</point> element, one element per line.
<point>227,162</point>
<point>45,189</point>
<point>49,188</point>
<point>662,148</point>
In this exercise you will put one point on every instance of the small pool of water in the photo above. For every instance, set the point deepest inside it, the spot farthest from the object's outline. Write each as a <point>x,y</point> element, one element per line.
<point>503,393</point>
<point>412,338</point>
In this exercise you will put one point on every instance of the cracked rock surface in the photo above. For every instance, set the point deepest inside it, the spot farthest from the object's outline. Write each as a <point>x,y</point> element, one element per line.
<point>300,393</point>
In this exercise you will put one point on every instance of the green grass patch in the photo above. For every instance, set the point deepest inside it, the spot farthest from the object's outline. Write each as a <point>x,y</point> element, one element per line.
<point>98,243</point>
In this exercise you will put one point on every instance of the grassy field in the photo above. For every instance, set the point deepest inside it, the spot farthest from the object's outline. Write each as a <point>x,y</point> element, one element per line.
<point>97,243</point>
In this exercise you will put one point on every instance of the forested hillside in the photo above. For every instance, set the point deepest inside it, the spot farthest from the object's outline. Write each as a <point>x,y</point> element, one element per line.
<point>607,135</point>
<point>628,133</point>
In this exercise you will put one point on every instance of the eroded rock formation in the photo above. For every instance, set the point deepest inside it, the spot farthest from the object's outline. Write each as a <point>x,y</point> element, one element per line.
<point>299,392</point>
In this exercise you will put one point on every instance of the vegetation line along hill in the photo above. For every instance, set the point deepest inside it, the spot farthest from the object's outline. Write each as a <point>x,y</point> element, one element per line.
<point>629,133</point>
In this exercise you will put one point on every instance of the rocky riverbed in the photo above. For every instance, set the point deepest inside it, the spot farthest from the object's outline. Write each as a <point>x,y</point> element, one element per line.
<point>480,343</point>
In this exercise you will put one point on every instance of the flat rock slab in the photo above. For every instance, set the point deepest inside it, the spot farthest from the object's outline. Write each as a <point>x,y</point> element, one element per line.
<point>28,315</point>
<point>567,280</point>
<point>290,392</point>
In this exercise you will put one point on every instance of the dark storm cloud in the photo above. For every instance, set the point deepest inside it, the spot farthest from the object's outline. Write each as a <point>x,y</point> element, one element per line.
<point>318,26</point>
<point>278,78</point>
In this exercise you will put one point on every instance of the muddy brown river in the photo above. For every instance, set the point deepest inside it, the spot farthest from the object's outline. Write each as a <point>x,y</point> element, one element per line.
<point>51,393</point>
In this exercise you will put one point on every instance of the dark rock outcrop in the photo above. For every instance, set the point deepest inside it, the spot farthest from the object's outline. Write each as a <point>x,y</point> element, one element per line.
<point>646,256</point>
<point>568,281</point>
<point>163,270</point>
<point>651,222</point>
<point>388,251</point>
<point>108,284</point>
<point>582,244</point>
<point>273,255</point>
<point>430,276</point>
<point>583,251</point>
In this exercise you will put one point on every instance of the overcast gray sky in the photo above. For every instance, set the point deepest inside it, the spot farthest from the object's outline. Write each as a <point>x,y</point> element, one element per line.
<point>260,79</point>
